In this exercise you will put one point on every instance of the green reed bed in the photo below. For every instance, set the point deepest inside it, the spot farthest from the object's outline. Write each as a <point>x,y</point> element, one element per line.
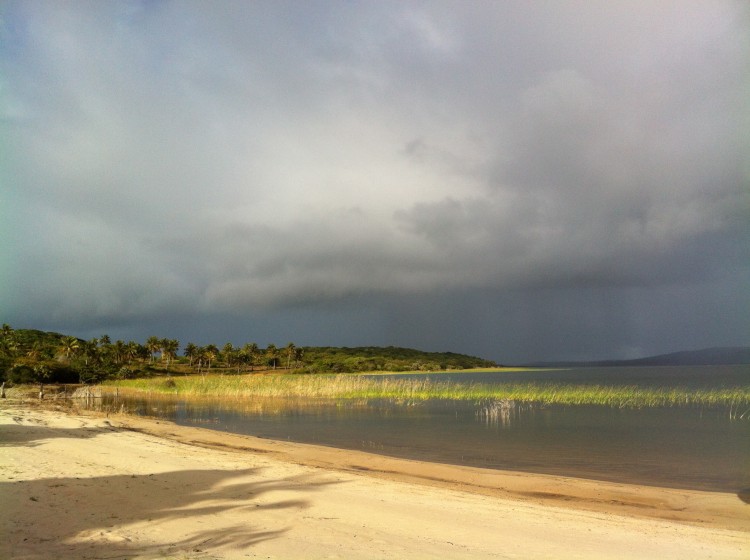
<point>356,387</point>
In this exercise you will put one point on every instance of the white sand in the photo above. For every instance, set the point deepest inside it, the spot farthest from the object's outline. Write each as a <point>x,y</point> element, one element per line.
<point>75,486</point>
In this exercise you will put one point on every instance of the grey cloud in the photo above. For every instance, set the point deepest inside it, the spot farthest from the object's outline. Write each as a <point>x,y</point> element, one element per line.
<point>250,158</point>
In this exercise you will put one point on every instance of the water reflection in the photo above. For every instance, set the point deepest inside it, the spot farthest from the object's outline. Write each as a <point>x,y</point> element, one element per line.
<point>693,377</point>
<point>667,447</point>
<point>498,414</point>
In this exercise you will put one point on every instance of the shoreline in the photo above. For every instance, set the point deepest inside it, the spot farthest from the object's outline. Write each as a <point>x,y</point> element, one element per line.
<point>705,508</point>
<point>95,447</point>
<point>700,474</point>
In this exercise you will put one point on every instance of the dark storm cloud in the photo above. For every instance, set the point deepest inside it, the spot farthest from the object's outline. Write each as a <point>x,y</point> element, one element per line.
<point>272,163</point>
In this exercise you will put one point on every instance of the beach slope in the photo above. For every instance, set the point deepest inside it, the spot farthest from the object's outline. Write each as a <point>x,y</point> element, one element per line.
<point>85,486</point>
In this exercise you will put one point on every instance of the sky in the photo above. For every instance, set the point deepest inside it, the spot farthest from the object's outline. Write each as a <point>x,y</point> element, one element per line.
<point>516,180</point>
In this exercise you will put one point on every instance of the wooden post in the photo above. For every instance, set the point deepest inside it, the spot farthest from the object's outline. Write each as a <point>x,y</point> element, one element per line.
<point>2,390</point>
<point>41,391</point>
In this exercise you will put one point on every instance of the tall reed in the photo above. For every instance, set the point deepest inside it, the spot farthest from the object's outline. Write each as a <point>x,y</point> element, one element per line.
<point>352,386</point>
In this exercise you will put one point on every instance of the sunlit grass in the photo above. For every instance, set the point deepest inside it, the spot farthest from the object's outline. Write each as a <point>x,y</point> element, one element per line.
<point>358,387</point>
<point>501,369</point>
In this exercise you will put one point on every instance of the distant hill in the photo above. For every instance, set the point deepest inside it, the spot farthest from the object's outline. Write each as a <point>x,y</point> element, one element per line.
<point>390,358</point>
<point>26,338</point>
<point>707,357</point>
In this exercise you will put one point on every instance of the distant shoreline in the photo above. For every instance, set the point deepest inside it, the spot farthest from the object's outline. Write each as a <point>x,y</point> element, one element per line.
<point>719,356</point>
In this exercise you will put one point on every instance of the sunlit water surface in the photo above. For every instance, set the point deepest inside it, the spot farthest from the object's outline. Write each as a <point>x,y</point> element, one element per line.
<point>674,447</point>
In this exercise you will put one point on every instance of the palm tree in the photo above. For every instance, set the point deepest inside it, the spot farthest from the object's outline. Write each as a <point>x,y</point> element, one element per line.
<point>289,353</point>
<point>90,350</point>
<point>153,344</point>
<point>118,351</point>
<point>228,353</point>
<point>191,352</point>
<point>105,347</point>
<point>163,343</point>
<point>271,353</point>
<point>69,347</point>
<point>36,352</point>
<point>169,349</point>
<point>133,351</point>
<point>200,358</point>
<point>210,352</point>
<point>251,350</point>
<point>242,358</point>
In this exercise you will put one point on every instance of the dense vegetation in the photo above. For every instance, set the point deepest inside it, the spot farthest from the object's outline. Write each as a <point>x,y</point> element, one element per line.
<point>343,360</point>
<point>32,356</point>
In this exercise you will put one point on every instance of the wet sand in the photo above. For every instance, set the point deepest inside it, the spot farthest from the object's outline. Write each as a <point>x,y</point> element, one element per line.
<point>78,485</point>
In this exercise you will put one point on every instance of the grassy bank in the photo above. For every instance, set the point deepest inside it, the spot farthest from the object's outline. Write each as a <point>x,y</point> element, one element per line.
<point>357,387</point>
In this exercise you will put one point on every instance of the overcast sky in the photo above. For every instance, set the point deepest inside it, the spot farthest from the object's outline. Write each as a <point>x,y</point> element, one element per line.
<point>515,180</point>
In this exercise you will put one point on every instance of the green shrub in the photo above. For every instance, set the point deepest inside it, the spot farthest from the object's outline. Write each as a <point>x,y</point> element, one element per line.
<point>20,374</point>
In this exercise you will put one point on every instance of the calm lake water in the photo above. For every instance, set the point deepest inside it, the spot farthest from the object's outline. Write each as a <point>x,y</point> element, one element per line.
<point>675,447</point>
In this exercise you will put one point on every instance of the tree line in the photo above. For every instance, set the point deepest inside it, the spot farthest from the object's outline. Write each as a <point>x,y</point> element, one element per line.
<point>28,356</point>
<point>32,356</point>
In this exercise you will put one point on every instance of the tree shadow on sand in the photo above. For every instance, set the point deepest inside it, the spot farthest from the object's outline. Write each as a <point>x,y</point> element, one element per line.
<point>94,517</point>
<point>30,432</point>
<point>105,516</point>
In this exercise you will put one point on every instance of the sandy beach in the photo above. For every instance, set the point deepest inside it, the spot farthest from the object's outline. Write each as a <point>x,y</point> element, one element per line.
<point>76,485</point>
